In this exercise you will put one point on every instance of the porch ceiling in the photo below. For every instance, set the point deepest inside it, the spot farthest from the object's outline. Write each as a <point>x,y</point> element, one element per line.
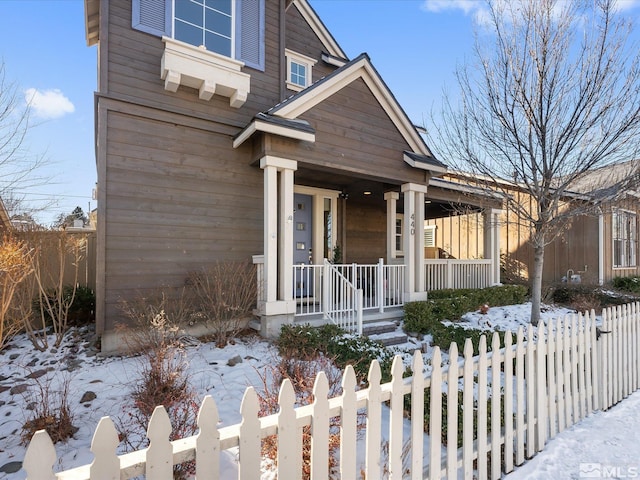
<point>356,189</point>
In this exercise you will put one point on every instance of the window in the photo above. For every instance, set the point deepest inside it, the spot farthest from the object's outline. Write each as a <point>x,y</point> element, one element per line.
<point>398,235</point>
<point>232,28</point>
<point>207,23</point>
<point>624,227</point>
<point>298,70</point>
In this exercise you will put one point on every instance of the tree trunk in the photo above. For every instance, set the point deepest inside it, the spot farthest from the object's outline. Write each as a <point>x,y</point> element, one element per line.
<point>536,283</point>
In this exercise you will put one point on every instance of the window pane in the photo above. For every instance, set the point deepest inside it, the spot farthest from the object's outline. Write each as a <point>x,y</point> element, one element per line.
<point>223,6</point>
<point>188,33</point>
<point>189,11</point>
<point>218,23</point>
<point>218,44</point>
<point>298,74</point>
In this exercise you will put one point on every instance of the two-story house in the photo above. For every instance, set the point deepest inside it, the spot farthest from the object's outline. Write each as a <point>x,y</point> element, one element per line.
<point>239,129</point>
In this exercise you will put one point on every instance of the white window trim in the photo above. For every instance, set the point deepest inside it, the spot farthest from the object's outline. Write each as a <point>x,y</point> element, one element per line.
<point>308,62</point>
<point>613,253</point>
<point>396,235</point>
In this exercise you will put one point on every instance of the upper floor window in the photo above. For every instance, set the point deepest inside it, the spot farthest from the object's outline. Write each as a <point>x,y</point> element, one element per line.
<point>232,28</point>
<point>207,23</point>
<point>298,70</point>
<point>624,228</point>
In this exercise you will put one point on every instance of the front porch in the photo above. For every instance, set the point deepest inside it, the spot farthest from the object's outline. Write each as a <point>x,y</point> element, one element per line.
<point>350,295</point>
<point>300,277</point>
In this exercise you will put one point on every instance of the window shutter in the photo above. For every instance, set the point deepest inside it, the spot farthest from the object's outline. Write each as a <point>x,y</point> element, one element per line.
<point>152,16</point>
<point>429,235</point>
<point>250,33</point>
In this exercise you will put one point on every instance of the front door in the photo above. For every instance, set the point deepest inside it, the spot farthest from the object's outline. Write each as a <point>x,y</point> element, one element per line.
<point>302,237</point>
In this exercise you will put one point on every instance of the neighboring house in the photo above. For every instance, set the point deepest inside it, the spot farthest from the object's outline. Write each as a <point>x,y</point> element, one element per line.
<point>265,143</point>
<point>598,244</point>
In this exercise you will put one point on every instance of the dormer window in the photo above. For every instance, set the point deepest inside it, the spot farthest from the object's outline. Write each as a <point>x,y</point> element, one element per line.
<point>298,70</point>
<point>205,23</point>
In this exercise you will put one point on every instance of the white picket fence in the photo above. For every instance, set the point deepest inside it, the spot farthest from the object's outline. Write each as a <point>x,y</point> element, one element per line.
<point>514,399</point>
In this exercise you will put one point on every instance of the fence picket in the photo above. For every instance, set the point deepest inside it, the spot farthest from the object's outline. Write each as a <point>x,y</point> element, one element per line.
<point>482,407</point>
<point>595,364</point>
<point>566,370</point>
<point>40,457</point>
<point>208,441</point>
<point>626,370</point>
<point>435,415</point>
<point>520,405</point>
<point>496,416</point>
<point>575,395</point>
<point>581,367</point>
<point>106,464</point>
<point>617,351</point>
<point>417,416</point>
<point>396,419</point>
<point>551,378</point>
<point>320,427</point>
<point>607,344</point>
<point>588,367</point>
<point>467,411</point>
<point>530,379</point>
<point>508,402</point>
<point>561,388</point>
<point>452,413</point>
<point>249,443</point>
<point>288,454</point>
<point>160,452</point>
<point>348,429</point>
<point>541,389</point>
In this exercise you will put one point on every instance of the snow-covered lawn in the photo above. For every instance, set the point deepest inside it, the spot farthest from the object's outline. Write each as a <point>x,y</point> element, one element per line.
<point>110,379</point>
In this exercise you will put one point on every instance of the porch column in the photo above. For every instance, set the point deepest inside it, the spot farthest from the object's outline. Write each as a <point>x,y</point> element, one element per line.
<point>413,241</point>
<point>278,235</point>
<point>391,199</point>
<point>492,242</point>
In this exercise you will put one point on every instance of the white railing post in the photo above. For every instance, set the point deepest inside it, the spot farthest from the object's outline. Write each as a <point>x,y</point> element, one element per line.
<point>327,286</point>
<point>449,274</point>
<point>380,285</point>
<point>359,310</point>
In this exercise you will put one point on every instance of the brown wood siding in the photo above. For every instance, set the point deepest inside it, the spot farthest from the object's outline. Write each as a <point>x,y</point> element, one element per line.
<point>178,198</point>
<point>354,135</point>
<point>366,227</point>
<point>134,71</point>
<point>300,38</point>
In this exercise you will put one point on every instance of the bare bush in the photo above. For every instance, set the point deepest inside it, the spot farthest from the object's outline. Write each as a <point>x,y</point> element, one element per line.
<point>50,411</point>
<point>15,267</point>
<point>226,295</point>
<point>302,374</point>
<point>55,255</point>
<point>162,378</point>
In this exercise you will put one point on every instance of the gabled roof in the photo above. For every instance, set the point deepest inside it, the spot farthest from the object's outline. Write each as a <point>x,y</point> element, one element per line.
<point>295,129</point>
<point>319,28</point>
<point>359,68</point>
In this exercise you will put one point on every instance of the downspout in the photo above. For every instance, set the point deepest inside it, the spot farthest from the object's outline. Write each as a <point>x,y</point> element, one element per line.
<point>284,4</point>
<point>600,247</point>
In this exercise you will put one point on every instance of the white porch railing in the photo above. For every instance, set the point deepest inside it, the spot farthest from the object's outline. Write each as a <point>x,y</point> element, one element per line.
<point>342,299</point>
<point>513,399</point>
<point>454,273</point>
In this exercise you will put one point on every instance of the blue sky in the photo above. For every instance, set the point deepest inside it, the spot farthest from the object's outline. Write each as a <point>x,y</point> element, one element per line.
<point>414,44</point>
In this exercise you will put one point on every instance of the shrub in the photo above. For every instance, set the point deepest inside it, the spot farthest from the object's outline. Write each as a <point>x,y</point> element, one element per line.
<point>302,374</point>
<point>51,411</point>
<point>15,267</point>
<point>82,306</point>
<point>307,342</point>
<point>226,296</point>
<point>162,379</point>
<point>627,284</point>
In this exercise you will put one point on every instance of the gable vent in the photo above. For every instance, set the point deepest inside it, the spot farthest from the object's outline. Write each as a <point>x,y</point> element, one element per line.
<point>429,235</point>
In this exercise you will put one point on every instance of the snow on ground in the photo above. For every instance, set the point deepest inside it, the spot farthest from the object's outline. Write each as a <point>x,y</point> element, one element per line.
<point>110,379</point>
<point>604,445</point>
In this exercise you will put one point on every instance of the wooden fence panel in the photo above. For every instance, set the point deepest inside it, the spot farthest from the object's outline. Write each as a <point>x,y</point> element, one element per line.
<point>417,411</point>
<point>396,444</point>
<point>508,402</point>
<point>467,410</point>
<point>482,408</point>
<point>320,426</point>
<point>435,415</point>
<point>452,413</point>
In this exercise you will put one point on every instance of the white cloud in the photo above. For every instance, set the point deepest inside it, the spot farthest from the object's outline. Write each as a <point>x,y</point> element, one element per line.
<point>473,7</point>
<point>48,104</point>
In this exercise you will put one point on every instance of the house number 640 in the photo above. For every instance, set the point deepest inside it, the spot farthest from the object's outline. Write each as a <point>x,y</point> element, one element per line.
<point>413,224</point>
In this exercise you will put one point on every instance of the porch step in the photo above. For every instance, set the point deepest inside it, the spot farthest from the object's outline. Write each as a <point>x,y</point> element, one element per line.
<point>386,333</point>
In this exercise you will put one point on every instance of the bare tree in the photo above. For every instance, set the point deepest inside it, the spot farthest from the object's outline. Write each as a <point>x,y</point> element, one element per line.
<point>553,94</point>
<point>18,167</point>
